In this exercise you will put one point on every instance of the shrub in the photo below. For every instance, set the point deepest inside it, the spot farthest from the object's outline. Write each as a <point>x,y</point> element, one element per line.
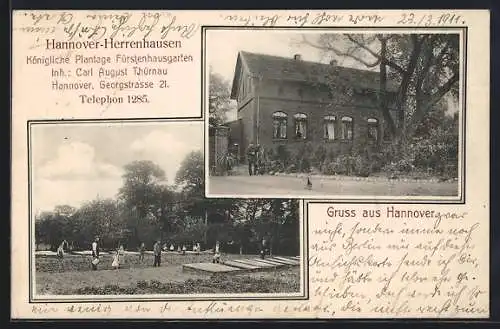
<point>225,163</point>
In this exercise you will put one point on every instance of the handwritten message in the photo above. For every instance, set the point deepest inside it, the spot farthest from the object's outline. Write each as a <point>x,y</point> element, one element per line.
<point>138,25</point>
<point>398,261</point>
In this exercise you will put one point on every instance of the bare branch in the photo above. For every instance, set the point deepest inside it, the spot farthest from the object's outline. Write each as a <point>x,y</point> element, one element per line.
<point>433,99</point>
<point>442,90</point>
<point>338,52</point>
<point>377,56</point>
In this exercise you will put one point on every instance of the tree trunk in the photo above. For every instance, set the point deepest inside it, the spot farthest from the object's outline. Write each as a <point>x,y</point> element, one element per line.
<point>383,89</point>
<point>206,228</point>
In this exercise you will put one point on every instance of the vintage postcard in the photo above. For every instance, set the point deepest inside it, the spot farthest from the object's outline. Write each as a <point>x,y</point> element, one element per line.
<point>314,164</point>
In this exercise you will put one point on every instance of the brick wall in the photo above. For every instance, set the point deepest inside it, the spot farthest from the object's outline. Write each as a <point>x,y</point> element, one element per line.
<point>295,97</point>
<point>247,117</point>
<point>316,105</point>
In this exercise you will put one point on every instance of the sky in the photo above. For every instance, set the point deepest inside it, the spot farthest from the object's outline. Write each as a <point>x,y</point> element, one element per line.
<point>75,163</point>
<point>222,47</point>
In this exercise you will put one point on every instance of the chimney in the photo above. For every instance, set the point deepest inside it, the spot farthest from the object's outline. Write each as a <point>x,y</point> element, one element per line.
<point>333,62</point>
<point>297,57</point>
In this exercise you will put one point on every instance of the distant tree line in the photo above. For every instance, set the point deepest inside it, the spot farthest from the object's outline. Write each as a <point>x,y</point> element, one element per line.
<point>146,209</point>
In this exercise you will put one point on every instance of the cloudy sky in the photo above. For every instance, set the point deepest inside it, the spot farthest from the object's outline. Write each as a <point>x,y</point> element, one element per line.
<point>222,47</point>
<point>74,163</point>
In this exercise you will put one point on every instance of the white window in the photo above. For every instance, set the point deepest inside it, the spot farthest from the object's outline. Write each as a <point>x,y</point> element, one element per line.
<point>329,127</point>
<point>347,128</point>
<point>279,125</point>
<point>372,129</point>
<point>300,125</point>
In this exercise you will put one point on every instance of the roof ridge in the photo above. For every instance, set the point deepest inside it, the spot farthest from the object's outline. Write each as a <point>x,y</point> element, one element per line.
<point>289,68</point>
<point>243,52</point>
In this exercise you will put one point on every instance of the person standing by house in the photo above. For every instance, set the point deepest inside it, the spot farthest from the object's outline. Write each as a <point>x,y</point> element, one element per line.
<point>157,253</point>
<point>251,158</point>
<point>95,253</point>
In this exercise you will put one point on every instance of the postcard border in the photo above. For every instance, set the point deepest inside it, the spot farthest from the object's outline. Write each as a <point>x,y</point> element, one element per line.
<point>303,230</point>
<point>459,199</point>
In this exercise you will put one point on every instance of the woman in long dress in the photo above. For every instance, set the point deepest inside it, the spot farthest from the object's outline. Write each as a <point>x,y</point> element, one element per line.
<point>121,255</point>
<point>116,261</point>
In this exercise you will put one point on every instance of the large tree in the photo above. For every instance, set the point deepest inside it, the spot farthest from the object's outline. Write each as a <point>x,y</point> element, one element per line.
<point>219,99</point>
<point>190,176</point>
<point>99,217</point>
<point>424,68</point>
<point>139,193</point>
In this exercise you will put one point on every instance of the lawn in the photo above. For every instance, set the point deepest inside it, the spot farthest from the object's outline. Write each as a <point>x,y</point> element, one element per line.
<point>288,186</point>
<point>73,276</point>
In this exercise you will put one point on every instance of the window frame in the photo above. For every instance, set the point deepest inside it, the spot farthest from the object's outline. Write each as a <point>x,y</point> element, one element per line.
<point>303,118</point>
<point>345,120</point>
<point>373,122</point>
<point>281,118</point>
<point>329,119</point>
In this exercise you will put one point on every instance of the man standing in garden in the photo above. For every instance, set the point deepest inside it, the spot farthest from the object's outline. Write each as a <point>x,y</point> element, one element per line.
<point>142,250</point>
<point>157,253</point>
<point>95,253</point>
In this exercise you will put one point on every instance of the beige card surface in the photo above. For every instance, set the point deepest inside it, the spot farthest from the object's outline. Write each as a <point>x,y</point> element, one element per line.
<point>250,164</point>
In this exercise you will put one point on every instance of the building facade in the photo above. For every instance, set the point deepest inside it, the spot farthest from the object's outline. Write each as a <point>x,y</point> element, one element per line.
<point>290,101</point>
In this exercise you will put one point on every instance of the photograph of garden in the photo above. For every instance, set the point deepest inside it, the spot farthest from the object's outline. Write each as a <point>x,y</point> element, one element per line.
<point>136,221</point>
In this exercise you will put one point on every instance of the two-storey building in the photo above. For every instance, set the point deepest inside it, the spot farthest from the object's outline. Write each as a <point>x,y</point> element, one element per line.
<point>289,101</point>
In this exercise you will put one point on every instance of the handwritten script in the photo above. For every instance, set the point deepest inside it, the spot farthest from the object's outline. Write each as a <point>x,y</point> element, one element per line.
<point>96,26</point>
<point>125,25</point>
<point>398,262</point>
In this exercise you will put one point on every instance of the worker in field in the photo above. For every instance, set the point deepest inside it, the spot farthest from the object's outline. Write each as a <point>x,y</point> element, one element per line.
<point>157,253</point>
<point>95,253</point>
<point>263,248</point>
<point>142,251</point>
<point>216,258</point>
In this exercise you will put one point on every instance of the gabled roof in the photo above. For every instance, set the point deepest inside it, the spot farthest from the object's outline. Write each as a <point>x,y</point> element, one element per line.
<point>290,69</point>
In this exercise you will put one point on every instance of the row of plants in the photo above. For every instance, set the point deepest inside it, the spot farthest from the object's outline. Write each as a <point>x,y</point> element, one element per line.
<point>420,158</point>
<point>281,282</point>
<point>432,151</point>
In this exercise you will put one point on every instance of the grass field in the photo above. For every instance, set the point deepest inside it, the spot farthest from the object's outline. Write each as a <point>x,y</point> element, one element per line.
<point>268,185</point>
<point>73,276</point>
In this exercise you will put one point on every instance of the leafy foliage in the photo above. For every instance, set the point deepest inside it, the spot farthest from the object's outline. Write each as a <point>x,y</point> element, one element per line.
<point>147,209</point>
<point>219,99</point>
<point>423,67</point>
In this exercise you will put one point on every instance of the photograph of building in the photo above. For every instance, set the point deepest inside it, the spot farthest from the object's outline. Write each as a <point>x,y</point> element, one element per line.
<point>320,107</point>
<point>287,100</point>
